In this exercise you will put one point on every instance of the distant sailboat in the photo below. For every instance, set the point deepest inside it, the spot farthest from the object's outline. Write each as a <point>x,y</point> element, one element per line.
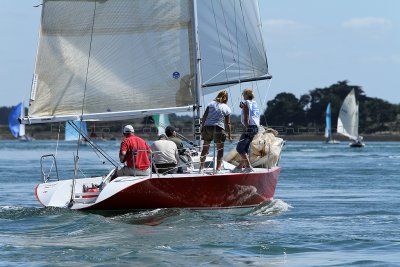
<point>348,120</point>
<point>18,129</point>
<point>71,134</point>
<point>328,127</point>
<point>161,121</point>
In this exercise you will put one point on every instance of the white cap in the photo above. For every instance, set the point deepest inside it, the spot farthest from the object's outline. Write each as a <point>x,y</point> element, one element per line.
<point>128,129</point>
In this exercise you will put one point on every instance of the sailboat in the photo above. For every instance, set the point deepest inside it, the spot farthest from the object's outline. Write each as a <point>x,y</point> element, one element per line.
<point>17,129</point>
<point>161,122</point>
<point>73,135</point>
<point>328,127</point>
<point>348,120</point>
<point>117,60</point>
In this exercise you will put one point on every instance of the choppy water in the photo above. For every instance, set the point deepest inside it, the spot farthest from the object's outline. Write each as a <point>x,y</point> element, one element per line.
<point>334,206</point>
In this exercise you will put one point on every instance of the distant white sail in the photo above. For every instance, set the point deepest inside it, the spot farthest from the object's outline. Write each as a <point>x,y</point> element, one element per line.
<point>348,117</point>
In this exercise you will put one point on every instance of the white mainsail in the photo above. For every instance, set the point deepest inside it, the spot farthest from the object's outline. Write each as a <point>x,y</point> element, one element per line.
<point>348,117</point>
<point>114,60</point>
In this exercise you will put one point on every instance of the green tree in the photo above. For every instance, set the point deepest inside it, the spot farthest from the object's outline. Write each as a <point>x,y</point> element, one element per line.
<point>284,109</point>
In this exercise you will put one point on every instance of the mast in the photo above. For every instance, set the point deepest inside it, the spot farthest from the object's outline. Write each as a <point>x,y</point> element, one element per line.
<point>197,76</point>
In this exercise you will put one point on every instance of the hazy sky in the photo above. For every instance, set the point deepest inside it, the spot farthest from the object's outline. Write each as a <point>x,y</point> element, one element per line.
<point>310,44</point>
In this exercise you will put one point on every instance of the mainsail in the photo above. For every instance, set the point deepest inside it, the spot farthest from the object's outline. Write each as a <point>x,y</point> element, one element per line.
<point>348,117</point>
<point>114,60</point>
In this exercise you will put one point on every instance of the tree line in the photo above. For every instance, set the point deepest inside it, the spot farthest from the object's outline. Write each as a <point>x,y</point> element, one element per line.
<point>375,115</point>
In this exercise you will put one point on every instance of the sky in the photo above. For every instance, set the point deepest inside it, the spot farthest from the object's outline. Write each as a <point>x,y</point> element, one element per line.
<point>310,44</point>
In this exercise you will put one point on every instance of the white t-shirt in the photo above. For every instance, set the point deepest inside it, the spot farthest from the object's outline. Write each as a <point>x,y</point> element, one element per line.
<point>254,113</point>
<point>216,114</point>
<point>164,151</point>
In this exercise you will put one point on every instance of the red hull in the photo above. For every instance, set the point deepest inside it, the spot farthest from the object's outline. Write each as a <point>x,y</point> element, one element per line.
<point>201,192</point>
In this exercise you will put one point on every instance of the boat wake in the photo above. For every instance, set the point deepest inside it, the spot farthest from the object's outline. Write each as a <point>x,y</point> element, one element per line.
<point>16,212</point>
<point>146,217</point>
<point>159,216</point>
<point>269,208</point>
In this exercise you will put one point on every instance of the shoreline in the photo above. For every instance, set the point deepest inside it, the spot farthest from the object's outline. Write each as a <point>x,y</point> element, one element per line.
<point>303,137</point>
<point>151,134</point>
<point>366,138</point>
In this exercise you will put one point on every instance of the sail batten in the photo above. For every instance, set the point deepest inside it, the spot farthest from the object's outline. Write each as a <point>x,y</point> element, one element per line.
<point>267,77</point>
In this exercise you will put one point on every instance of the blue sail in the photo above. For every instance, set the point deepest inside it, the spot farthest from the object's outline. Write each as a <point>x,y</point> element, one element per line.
<point>13,122</point>
<point>328,130</point>
<point>71,134</point>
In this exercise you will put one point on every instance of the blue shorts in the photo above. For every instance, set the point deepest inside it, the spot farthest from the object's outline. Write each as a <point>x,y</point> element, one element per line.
<point>245,139</point>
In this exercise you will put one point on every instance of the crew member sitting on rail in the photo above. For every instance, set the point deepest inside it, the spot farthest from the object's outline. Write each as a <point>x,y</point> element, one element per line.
<point>134,152</point>
<point>165,155</point>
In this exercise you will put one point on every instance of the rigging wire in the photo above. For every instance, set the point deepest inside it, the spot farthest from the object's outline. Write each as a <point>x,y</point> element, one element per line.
<point>227,31</point>
<point>219,39</point>
<point>237,46</point>
<point>76,158</point>
<point>247,37</point>
<point>96,148</point>
<point>264,103</point>
<point>87,74</point>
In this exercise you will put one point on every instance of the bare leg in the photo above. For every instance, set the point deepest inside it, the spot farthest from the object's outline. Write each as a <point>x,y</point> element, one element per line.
<point>204,153</point>
<point>220,154</point>
<point>244,162</point>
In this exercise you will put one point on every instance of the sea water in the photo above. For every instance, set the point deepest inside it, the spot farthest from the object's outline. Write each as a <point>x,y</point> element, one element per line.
<point>334,206</point>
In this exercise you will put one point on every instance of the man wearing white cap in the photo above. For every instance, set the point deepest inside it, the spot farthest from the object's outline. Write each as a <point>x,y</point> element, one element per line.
<point>134,152</point>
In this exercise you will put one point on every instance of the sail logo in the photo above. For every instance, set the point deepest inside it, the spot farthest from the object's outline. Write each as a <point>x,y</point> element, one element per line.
<point>254,110</point>
<point>176,75</point>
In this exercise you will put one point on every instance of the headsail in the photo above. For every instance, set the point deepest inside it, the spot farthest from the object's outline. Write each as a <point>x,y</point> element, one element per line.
<point>348,117</point>
<point>71,134</point>
<point>231,43</point>
<point>112,60</point>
